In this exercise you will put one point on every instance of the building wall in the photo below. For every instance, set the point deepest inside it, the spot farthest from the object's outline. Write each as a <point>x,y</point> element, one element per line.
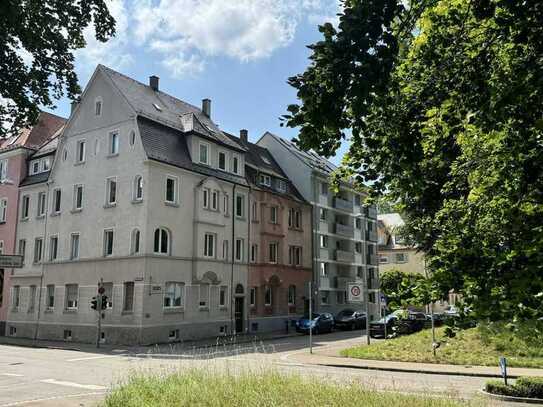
<point>414,263</point>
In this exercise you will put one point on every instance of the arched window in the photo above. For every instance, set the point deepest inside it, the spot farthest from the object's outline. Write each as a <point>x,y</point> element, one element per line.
<point>138,188</point>
<point>135,242</point>
<point>162,241</point>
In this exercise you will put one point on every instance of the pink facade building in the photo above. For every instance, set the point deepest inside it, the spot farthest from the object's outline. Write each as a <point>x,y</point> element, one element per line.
<point>15,152</point>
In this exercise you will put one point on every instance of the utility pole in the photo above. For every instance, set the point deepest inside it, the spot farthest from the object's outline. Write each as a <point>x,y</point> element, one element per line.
<point>366,300</point>
<point>310,318</point>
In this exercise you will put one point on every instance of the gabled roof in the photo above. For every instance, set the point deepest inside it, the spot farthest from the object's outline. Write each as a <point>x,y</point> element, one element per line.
<point>167,145</point>
<point>166,109</point>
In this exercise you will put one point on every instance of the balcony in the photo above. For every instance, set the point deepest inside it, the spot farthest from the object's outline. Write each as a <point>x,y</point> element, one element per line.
<point>372,284</point>
<point>324,283</point>
<point>344,230</point>
<point>343,204</point>
<point>371,236</point>
<point>344,256</point>
<point>371,259</point>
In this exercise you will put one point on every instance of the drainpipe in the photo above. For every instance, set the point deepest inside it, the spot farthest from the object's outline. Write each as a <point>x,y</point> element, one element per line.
<point>232,304</point>
<point>42,263</point>
<point>249,210</point>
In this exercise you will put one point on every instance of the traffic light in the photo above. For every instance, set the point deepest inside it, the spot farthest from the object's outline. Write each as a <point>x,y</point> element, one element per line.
<point>104,302</point>
<point>94,303</point>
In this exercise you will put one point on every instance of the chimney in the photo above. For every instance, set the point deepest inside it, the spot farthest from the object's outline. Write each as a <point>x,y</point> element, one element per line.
<point>73,106</point>
<point>206,107</point>
<point>243,135</point>
<point>153,82</point>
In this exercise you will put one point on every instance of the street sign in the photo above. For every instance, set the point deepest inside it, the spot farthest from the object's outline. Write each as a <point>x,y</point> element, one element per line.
<point>355,293</point>
<point>383,299</point>
<point>503,368</point>
<point>11,261</point>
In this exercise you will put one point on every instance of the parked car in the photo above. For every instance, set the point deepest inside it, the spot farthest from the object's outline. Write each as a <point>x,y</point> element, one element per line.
<point>439,319</point>
<point>318,323</point>
<point>350,319</point>
<point>377,328</point>
<point>416,321</point>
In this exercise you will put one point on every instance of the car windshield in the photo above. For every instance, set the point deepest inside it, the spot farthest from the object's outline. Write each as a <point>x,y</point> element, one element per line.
<point>387,318</point>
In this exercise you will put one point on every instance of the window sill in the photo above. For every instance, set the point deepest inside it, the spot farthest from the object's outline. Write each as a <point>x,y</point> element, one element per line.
<point>127,313</point>
<point>110,205</point>
<point>76,210</point>
<point>79,163</point>
<point>49,310</point>
<point>137,201</point>
<point>223,307</point>
<point>70,311</point>
<point>174,204</point>
<point>20,220</point>
<point>172,310</point>
<point>40,216</point>
<point>295,229</point>
<point>55,213</point>
<point>203,308</point>
<point>112,155</point>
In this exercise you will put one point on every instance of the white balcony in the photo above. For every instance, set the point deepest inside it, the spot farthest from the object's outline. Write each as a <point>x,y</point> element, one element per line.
<point>324,283</point>
<point>344,256</point>
<point>344,230</point>
<point>343,204</point>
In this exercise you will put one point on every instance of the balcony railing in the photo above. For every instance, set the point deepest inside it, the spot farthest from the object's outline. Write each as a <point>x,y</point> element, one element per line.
<point>344,256</point>
<point>343,204</point>
<point>344,230</point>
<point>324,283</point>
<point>371,259</point>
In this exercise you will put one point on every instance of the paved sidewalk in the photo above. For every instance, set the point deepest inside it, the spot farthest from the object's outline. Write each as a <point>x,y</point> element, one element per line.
<point>323,359</point>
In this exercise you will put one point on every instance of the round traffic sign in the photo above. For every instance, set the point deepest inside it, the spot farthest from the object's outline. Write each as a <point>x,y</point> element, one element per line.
<point>355,290</point>
<point>101,290</point>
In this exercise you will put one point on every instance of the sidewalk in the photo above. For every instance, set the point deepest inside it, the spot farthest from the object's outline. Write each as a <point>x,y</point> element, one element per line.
<point>427,368</point>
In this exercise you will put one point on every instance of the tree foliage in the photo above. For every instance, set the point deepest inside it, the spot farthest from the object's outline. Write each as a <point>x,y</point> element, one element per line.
<point>402,289</point>
<point>444,103</point>
<point>37,40</point>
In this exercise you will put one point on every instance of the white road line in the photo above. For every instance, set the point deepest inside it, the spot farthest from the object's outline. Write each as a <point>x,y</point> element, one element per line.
<point>12,374</point>
<point>93,358</point>
<point>71,384</point>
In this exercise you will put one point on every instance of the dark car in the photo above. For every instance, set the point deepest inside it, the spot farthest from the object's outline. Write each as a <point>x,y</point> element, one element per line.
<point>416,321</point>
<point>439,319</point>
<point>318,323</point>
<point>377,328</point>
<point>350,319</point>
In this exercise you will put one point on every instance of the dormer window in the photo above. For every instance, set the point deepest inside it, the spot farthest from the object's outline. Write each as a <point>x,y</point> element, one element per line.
<point>35,167</point>
<point>222,160</point>
<point>265,180</point>
<point>98,107</point>
<point>235,164</point>
<point>281,185</point>
<point>204,153</point>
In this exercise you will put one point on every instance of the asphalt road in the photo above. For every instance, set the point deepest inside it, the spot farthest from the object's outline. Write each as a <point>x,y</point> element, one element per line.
<point>59,377</point>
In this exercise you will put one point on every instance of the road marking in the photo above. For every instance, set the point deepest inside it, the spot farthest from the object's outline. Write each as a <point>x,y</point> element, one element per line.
<point>12,374</point>
<point>93,358</point>
<point>19,403</point>
<point>71,384</point>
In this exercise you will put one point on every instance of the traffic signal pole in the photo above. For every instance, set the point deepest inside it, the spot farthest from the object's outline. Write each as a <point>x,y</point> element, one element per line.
<point>99,309</point>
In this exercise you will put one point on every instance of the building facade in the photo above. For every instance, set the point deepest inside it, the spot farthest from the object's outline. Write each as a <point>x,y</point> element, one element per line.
<point>344,230</point>
<point>14,153</point>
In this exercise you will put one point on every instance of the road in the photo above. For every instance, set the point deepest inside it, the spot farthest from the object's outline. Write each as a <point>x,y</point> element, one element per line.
<point>60,377</point>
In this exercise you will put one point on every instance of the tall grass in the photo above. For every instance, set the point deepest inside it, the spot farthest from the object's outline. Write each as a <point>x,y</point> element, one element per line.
<point>204,388</point>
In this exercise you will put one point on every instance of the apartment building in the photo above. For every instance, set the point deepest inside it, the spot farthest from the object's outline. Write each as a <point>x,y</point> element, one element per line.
<point>149,196</point>
<point>14,153</point>
<point>280,243</point>
<point>344,230</point>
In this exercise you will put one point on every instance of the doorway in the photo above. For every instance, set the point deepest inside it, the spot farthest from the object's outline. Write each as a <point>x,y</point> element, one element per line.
<point>238,314</point>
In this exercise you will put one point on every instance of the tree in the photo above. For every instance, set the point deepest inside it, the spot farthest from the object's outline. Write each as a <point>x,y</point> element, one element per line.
<point>402,289</point>
<point>444,103</point>
<point>37,41</point>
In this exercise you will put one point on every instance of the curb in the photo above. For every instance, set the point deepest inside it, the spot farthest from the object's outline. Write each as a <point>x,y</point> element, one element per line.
<point>512,398</point>
<point>37,346</point>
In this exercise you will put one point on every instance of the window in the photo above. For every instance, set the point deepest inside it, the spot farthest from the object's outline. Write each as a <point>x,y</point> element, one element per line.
<point>171,190</point>
<point>225,249</point>
<point>161,242</point>
<point>50,299</point>
<point>294,218</point>
<point>3,170</point>
<point>42,199</point>
<point>45,164</point>
<point>38,246</point>
<point>114,143</point>
<point>371,298</point>
<point>16,297</point>
<point>235,164</point>
<point>111,191</point>
<point>281,185</point>
<point>401,257</point>
<point>203,301</point>
<point>22,247</point>
<point>252,297</point>
<point>25,205</point>
<point>273,214</point>
<point>128,300</point>
<point>222,161</point>
<point>324,188</point>
<point>358,223</point>
<point>32,298</point>
<point>357,199</point>
<point>108,242</point>
<point>132,137</point>
<point>173,335</point>
<point>174,295</point>
<point>340,297</point>
<point>265,180</point>
<point>80,155</point>
<point>78,197</point>
<point>225,203</point>
<point>74,246</point>
<point>383,259</point>
<point>205,198</point>
<point>53,248</point>
<point>273,253</point>
<point>215,200</point>
<point>222,296</point>
<point>240,210</point>
<point>34,167</point>
<point>295,255</point>
<point>3,209</point>
<point>324,241</point>
<point>254,253</point>
<point>358,247</point>
<point>325,268</point>
<point>209,245</point>
<point>291,295</point>
<point>323,214</point>
<point>68,334</point>
<point>267,296</point>
<point>325,297</point>
<point>57,196</point>
<point>98,107</point>
<point>72,294</point>
<point>239,250</point>
<point>360,272</point>
<point>135,242</point>
<point>204,153</point>
<point>138,188</point>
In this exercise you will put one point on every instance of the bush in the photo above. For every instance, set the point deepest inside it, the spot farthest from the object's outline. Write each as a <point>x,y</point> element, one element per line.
<point>531,387</point>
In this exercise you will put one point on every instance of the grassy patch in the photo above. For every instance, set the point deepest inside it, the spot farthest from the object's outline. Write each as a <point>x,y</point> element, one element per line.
<point>530,387</point>
<point>200,388</point>
<point>477,346</point>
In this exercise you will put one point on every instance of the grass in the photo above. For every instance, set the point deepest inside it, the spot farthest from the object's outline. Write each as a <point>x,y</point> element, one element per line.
<point>527,387</point>
<point>202,388</point>
<point>481,346</point>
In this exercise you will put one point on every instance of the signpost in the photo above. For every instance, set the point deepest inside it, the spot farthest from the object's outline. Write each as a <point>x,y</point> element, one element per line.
<point>383,300</point>
<point>503,368</point>
<point>14,261</point>
<point>310,319</point>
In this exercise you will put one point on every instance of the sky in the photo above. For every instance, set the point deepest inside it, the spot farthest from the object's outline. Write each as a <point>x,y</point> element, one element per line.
<point>238,53</point>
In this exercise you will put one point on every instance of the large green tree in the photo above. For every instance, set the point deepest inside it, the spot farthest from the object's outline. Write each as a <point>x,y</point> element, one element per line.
<point>37,40</point>
<point>442,101</point>
<point>402,289</point>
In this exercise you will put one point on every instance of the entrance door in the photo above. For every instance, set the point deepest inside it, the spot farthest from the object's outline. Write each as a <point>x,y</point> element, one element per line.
<point>238,314</point>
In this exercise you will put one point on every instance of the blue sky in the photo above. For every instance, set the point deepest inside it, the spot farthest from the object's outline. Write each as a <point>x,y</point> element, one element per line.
<point>237,53</point>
